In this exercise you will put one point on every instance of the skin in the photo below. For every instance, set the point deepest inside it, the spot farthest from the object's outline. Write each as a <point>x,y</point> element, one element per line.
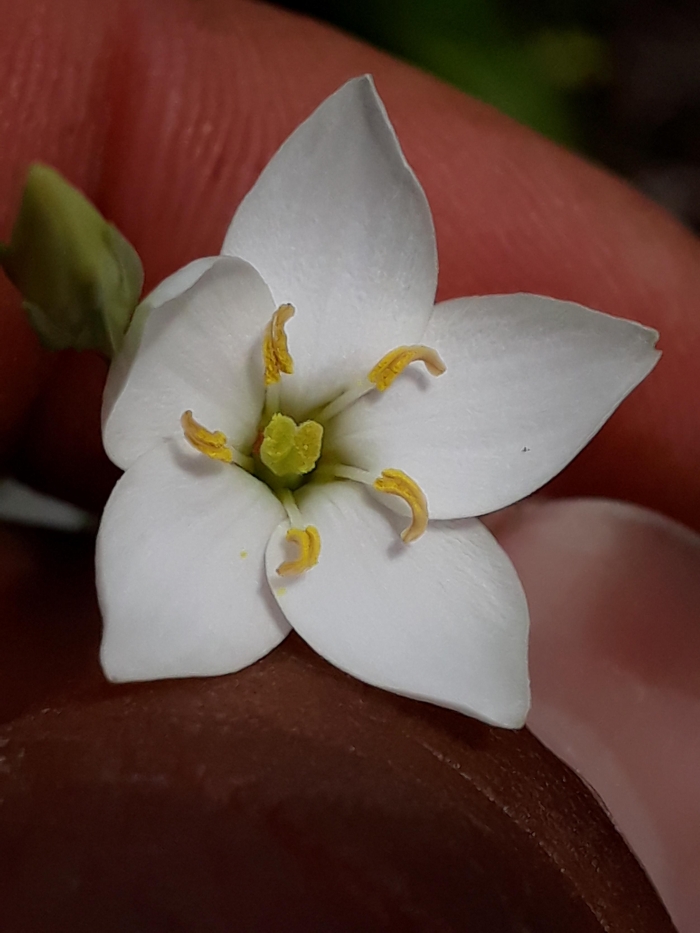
<point>164,113</point>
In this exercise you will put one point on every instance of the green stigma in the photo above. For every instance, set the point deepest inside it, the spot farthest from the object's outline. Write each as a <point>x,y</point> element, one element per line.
<point>288,449</point>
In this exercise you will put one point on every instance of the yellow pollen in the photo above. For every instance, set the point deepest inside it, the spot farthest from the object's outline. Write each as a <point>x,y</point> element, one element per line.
<point>276,356</point>
<point>210,443</point>
<point>396,483</point>
<point>309,542</point>
<point>394,363</point>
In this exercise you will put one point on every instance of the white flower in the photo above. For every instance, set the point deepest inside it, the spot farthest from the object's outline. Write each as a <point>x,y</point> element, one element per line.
<point>202,568</point>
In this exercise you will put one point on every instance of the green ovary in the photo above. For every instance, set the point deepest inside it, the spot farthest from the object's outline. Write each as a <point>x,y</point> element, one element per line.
<point>288,449</point>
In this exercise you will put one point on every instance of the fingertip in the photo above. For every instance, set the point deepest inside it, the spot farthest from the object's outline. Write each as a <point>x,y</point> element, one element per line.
<point>614,595</point>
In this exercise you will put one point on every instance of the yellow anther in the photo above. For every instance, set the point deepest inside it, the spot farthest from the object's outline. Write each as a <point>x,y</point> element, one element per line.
<point>276,356</point>
<point>396,483</point>
<point>309,542</point>
<point>210,443</point>
<point>394,363</point>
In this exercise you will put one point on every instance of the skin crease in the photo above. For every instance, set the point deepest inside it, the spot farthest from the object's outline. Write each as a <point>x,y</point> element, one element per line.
<point>165,111</point>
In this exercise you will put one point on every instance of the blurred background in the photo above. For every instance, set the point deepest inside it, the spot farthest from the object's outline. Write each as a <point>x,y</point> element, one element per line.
<point>618,80</point>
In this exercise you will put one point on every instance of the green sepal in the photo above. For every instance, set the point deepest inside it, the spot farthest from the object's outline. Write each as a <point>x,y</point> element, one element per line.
<point>79,277</point>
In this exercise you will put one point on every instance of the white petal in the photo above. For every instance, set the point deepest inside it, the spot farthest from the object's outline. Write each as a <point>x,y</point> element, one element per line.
<point>443,619</point>
<point>180,570</point>
<point>179,281</point>
<point>199,351</point>
<point>169,288</point>
<point>529,381</point>
<point>338,226</point>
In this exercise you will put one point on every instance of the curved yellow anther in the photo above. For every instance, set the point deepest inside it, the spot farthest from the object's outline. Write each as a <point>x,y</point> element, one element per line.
<point>396,483</point>
<point>309,543</point>
<point>276,356</point>
<point>394,363</point>
<point>210,443</point>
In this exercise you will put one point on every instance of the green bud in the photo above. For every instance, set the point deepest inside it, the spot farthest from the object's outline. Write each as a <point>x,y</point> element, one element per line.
<point>79,277</point>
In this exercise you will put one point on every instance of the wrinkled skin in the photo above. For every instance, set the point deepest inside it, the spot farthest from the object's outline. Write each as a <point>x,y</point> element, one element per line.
<point>164,112</point>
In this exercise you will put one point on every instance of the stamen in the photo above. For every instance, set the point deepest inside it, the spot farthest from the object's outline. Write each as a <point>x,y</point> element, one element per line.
<point>309,543</point>
<point>290,507</point>
<point>354,473</point>
<point>307,539</point>
<point>383,374</point>
<point>397,483</point>
<point>345,400</point>
<point>272,399</point>
<point>394,363</point>
<point>212,444</point>
<point>276,357</point>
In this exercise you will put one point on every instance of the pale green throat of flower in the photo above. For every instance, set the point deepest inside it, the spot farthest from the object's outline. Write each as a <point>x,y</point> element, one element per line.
<point>286,453</point>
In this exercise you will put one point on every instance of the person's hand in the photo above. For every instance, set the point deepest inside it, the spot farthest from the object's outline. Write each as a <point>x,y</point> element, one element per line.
<point>165,111</point>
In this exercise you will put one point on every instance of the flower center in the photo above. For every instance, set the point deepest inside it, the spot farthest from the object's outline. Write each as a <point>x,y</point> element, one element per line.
<point>286,453</point>
<point>288,450</point>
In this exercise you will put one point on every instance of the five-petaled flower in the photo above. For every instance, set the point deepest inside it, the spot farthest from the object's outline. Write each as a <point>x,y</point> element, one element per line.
<point>285,393</point>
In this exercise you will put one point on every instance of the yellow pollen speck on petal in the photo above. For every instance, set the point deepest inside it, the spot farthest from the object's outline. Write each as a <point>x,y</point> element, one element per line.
<point>276,357</point>
<point>210,443</point>
<point>394,363</point>
<point>244,554</point>
<point>397,483</point>
<point>308,541</point>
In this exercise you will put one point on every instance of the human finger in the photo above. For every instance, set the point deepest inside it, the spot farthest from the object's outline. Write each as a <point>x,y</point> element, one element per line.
<point>614,595</point>
<point>165,112</point>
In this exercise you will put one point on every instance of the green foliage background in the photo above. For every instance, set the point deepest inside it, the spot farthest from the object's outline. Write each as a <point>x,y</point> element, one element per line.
<point>540,61</point>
